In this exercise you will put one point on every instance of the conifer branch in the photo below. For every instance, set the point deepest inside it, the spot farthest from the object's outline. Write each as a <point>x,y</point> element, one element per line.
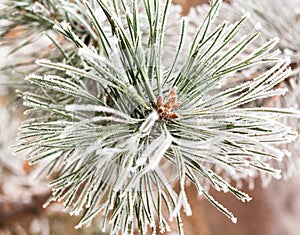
<point>131,114</point>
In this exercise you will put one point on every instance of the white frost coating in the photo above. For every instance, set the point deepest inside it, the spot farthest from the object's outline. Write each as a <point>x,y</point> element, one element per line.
<point>122,179</point>
<point>277,174</point>
<point>38,8</point>
<point>247,15</point>
<point>107,119</point>
<point>88,54</point>
<point>32,76</point>
<point>94,108</point>
<point>247,199</point>
<point>141,161</point>
<point>234,220</point>
<point>258,26</point>
<point>48,63</point>
<point>109,151</point>
<point>147,125</point>
<point>64,25</point>
<point>182,202</point>
<point>156,150</point>
<point>281,19</point>
<point>67,131</point>
<point>131,144</point>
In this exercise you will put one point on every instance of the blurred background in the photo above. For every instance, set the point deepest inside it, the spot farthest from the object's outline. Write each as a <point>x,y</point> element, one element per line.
<point>274,210</point>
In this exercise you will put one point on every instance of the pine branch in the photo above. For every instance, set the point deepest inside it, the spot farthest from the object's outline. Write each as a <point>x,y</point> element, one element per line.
<point>282,20</point>
<point>272,23</point>
<point>134,114</point>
